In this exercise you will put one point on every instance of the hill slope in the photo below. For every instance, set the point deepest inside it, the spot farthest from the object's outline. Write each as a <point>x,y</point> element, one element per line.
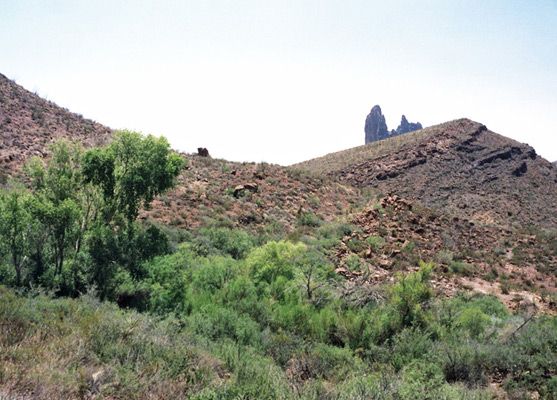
<point>459,167</point>
<point>29,123</point>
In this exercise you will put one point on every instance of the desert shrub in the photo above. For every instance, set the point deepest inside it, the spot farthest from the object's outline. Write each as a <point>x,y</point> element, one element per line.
<point>377,242</point>
<point>379,386</point>
<point>421,380</point>
<point>444,257</point>
<point>453,314</point>
<point>356,245</point>
<point>274,259</point>
<point>281,346</point>
<point>531,356</point>
<point>213,273</point>
<point>324,326</point>
<point>355,263</point>
<point>136,353</point>
<point>408,345</point>
<point>217,323</point>
<point>294,318</point>
<point>233,242</point>
<point>253,376</point>
<point>334,363</point>
<point>461,268</point>
<point>474,321</point>
<point>463,361</point>
<point>169,278</point>
<point>330,233</point>
<point>405,306</point>
<point>409,295</point>
<point>309,219</point>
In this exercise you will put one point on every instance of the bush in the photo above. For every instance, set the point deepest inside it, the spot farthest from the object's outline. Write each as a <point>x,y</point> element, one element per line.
<point>408,345</point>
<point>421,380</point>
<point>464,361</point>
<point>309,219</point>
<point>233,242</point>
<point>377,242</point>
<point>409,295</point>
<point>274,259</point>
<point>474,321</point>
<point>219,323</point>
<point>334,363</point>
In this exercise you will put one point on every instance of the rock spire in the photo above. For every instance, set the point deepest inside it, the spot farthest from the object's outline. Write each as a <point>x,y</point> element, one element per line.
<point>376,127</point>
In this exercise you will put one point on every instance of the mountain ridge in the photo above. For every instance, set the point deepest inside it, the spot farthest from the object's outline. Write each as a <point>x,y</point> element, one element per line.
<point>28,123</point>
<point>460,167</point>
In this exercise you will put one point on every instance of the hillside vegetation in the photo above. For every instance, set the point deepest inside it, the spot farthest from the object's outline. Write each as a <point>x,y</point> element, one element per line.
<point>130,271</point>
<point>229,311</point>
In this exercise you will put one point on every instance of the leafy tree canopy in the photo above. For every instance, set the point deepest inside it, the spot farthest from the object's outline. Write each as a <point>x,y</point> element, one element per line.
<point>131,171</point>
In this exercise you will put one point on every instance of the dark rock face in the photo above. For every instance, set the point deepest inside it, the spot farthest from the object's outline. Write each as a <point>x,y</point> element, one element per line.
<point>202,152</point>
<point>406,126</point>
<point>376,127</point>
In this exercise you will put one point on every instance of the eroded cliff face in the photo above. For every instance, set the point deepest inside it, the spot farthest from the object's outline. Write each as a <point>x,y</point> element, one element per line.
<point>376,127</point>
<point>406,127</point>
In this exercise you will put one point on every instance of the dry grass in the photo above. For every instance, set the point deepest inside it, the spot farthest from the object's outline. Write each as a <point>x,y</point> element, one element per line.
<point>342,159</point>
<point>54,349</point>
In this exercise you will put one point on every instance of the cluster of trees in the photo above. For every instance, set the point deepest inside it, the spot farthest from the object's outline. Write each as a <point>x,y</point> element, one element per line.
<point>272,312</point>
<point>71,222</point>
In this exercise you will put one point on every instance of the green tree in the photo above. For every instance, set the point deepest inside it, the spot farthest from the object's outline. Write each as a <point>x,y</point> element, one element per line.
<point>130,172</point>
<point>57,204</point>
<point>15,221</point>
<point>127,174</point>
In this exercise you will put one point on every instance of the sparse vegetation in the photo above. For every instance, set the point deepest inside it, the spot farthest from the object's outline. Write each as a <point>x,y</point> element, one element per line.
<point>115,284</point>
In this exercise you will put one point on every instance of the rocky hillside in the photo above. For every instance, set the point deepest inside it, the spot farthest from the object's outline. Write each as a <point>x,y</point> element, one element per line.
<point>29,123</point>
<point>393,234</point>
<point>251,196</point>
<point>460,168</point>
<point>459,185</point>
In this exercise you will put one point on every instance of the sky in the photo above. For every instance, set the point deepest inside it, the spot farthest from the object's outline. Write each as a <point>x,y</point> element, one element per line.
<point>284,81</point>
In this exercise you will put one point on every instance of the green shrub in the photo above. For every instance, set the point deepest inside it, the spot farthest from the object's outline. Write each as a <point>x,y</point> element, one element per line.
<point>461,268</point>
<point>309,219</point>
<point>219,323</point>
<point>421,380</point>
<point>377,242</point>
<point>355,263</point>
<point>464,361</point>
<point>334,363</point>
<point>408,345</point>
<point>530,356</point>
<point>474,321</point>
<point>274,259</point>
<point>356,245</point>
<point>409,295</point>
<point>233,242</point>
<point>213,273</point>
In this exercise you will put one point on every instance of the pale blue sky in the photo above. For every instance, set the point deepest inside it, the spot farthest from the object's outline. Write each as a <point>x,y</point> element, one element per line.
<point>285,81</point>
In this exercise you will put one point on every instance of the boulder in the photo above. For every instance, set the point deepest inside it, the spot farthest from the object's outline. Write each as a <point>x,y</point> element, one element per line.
<point>240,189</point>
